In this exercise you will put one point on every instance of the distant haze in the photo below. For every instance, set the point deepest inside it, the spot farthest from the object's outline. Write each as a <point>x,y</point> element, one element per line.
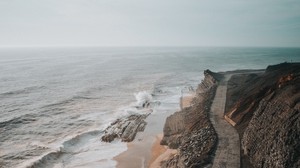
<point>150,23</point>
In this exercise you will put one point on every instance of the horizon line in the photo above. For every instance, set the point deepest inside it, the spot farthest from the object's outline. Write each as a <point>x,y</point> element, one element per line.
<point>140,46</point>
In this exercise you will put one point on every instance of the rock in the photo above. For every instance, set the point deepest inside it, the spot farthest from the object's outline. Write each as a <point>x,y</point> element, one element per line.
<point>266,110</point>
<point>125,128</point>
<point>190,131</point>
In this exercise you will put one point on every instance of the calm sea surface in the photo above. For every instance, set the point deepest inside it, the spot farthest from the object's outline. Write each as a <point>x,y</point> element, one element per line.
<point>55,102</point>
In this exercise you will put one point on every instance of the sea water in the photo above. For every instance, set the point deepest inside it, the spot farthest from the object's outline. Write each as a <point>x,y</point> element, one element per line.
<point>55,102</point>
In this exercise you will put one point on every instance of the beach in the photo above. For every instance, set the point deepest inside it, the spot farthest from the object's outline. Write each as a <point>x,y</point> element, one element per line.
<point>145,150</point>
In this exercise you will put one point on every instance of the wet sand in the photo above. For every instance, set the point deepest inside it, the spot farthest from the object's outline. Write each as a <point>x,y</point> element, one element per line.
<point>157,149</point>
<point>160,153</point>
<point>136,156</point>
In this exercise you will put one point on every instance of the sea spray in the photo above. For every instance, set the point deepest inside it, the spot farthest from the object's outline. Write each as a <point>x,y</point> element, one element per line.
<point>143,98</point>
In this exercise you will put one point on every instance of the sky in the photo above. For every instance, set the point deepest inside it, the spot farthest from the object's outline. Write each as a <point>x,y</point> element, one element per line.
<point>270,23</point>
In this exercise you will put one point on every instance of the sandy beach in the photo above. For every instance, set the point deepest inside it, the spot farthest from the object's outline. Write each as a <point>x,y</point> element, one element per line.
<point>160,153</point>
<point>186,101</point>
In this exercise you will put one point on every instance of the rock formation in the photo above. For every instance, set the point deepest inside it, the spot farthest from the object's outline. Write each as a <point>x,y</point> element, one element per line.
<point>190,131</point>
<point>266,111</point>
<point>125,128</point>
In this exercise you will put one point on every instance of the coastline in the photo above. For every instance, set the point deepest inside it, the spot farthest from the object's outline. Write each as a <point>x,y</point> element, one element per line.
<point>200,135</point>
<point>189,126</point>
<point>160,153</point>
<point>145,150</point>
<point>105,88</point>
<point>190,130</point>
<point>168,145</point>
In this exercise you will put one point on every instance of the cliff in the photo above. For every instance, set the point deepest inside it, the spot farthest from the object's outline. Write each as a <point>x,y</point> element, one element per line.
<point>190,131</point>
<point>264,108</point>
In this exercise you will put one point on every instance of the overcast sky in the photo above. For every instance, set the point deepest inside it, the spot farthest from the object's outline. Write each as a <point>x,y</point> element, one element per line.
<point>150,22</point>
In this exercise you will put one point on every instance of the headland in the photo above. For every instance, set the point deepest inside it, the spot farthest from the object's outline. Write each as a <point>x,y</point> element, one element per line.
<point>242,118</point>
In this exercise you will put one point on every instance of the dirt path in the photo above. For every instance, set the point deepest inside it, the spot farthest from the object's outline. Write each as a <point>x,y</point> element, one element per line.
<point>228,150</point>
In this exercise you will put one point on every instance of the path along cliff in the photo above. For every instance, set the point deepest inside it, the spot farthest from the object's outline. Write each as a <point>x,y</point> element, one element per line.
<point>228,149</point>
<point>261,107</point>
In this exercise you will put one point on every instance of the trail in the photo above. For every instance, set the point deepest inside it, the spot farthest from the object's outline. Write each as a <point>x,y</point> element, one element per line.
<point>228,150</point>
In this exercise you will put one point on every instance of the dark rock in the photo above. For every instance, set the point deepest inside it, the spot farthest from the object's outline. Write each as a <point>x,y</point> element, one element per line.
<point>125,128</point>
<point>109,137</point>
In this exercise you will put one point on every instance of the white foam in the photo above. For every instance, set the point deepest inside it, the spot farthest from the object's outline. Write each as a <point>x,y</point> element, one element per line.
<point>91,152</point>
<point>97,154</point>
<point>87,150</point>
<point>142,98</point>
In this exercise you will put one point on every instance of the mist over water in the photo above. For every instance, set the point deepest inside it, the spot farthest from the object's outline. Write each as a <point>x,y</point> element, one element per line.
<point>55,102</point>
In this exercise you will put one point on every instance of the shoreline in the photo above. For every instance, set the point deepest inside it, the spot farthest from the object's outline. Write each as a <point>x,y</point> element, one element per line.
<point>160,153</point>
<point>145,150</point>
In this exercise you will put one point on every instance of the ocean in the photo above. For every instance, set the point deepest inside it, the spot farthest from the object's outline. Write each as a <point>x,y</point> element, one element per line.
<point>55,102</point>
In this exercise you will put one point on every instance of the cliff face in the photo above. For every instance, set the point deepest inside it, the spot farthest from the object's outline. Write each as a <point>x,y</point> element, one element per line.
<point>266,111</point>
<point>190,131</point>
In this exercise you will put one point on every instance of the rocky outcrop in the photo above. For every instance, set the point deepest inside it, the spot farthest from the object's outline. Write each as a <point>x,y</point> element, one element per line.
<point>125,128</point>
<point>190,131</point>
<point>266,110</point>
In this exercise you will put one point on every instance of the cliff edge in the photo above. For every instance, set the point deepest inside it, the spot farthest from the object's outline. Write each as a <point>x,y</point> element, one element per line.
<point>264,108</point>
<point>190,131</point>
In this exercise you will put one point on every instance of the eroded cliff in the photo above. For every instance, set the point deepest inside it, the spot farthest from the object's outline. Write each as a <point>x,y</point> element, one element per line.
<point>190,131</point>
<point>264,108</point>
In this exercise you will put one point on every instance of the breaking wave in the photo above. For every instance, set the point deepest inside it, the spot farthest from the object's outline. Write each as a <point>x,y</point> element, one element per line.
<point>67,149</point>
<point>143,98</point>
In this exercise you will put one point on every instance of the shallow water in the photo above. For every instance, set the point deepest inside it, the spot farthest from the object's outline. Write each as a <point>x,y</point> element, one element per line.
<point>58,100</point>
